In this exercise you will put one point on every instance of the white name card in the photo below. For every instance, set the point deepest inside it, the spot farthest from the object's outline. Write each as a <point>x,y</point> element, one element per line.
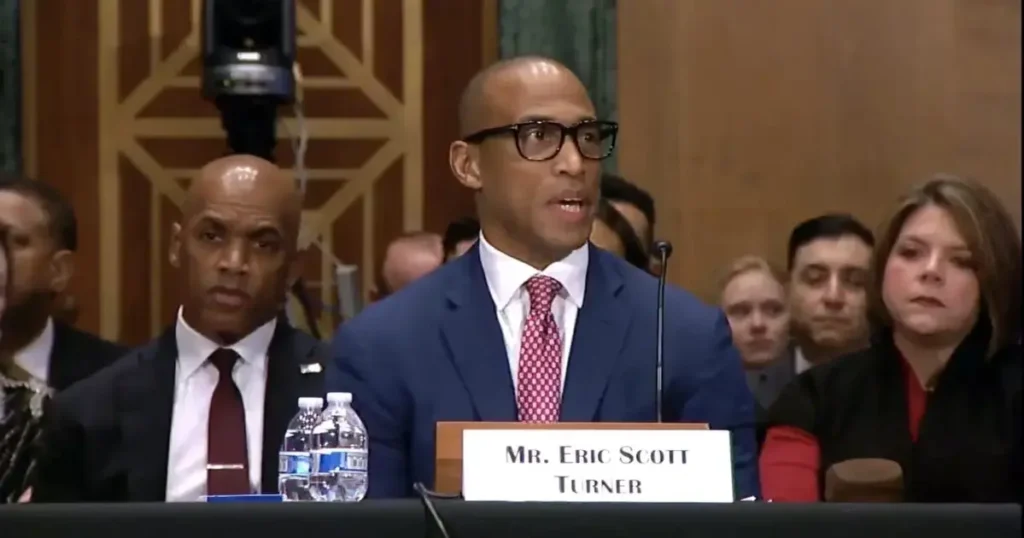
<point>597,465</point>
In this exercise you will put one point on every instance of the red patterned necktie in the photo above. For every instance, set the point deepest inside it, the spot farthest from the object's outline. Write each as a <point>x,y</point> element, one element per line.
<point>540,355</point>
<point>227,455</point>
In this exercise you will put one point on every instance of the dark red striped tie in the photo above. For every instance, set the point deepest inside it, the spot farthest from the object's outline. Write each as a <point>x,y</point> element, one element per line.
<point>227,458</point>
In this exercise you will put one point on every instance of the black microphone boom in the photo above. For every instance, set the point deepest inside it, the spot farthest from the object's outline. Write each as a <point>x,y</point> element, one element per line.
<point>664,249</point>
<point>438,528</point>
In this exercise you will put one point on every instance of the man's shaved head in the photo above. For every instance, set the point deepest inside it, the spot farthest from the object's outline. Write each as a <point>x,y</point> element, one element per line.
<point>236,246</point>
<point>479,94</point>
<point>535,204</point>
<point>245,176</point>
<point>411,257</point>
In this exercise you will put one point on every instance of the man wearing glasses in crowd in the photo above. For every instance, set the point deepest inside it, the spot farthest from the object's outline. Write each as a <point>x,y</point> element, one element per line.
<point>532,324</point>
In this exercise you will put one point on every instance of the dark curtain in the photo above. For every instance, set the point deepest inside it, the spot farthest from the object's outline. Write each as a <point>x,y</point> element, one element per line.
<point>579,33</point>
<point>10,87</point>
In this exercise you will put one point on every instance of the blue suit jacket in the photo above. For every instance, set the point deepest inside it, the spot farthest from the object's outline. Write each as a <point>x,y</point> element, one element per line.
<point>434,352</point>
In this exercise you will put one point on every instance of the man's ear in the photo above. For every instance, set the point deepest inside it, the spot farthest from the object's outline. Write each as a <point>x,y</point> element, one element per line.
<point>62,267</point>
<point>463,161</point>
<point>174,246</point>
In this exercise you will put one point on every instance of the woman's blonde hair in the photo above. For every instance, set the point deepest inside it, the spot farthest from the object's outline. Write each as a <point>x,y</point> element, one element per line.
<point>748,263</point>
<point>991,236</point>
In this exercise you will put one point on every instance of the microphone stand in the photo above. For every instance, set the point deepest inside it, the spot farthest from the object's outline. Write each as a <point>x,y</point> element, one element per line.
<point>664,249</point>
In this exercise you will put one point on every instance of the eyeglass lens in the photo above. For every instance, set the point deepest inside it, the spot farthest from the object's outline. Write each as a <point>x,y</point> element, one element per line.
<point>543,140</point>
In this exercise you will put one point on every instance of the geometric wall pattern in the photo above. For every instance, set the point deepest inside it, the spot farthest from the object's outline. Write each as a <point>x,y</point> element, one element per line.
<point>362,65</point>
<point>112,116</point>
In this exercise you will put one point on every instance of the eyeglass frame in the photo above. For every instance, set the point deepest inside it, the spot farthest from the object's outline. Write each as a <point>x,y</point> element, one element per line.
<point>514,128</point>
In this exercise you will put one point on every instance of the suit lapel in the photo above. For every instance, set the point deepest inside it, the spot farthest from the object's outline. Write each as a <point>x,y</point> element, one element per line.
<point>766,384</point>
<point>470,327</point>
<point>287,380</point>
<point>145,400</point>
<point>600,333</point>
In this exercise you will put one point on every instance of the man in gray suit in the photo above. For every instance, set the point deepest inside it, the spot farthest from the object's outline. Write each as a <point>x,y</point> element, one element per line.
<point>754,300</point>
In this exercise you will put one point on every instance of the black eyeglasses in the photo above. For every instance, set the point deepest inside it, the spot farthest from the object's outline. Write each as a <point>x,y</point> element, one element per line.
<point>543,140</point>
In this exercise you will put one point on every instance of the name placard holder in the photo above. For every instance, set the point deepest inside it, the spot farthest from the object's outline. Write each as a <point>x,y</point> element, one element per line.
<point>600,462</point>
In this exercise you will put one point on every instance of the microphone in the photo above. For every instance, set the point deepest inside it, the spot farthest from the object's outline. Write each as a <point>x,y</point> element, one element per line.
<point>664,249</point>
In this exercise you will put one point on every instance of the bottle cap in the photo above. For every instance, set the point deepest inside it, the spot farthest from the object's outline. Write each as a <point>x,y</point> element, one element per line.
<point>339,397</point>
<point>311,403</point>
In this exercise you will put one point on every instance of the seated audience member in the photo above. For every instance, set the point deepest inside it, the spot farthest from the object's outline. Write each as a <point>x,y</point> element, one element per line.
<point>637,206</point>
<point>459,237</point>
<point>828,259</point>
<point>39,353</point>
<point>203,409</point>
<point>612,232</point>
<point>939,390</point>
<point>409,258</point>
<point>633,203</point>
<point>43,237</point>
<point>754,300</point>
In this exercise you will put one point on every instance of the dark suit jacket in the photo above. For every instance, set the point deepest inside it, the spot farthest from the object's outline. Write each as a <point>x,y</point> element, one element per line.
<point>106,439</point>
<point>969,442</point>
<point>434,352</point>
<point>766,384</point>
<point>77,355</point>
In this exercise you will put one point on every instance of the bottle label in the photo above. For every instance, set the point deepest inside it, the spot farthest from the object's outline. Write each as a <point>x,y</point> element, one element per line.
<point>293,463</point>
<point>347,459</point>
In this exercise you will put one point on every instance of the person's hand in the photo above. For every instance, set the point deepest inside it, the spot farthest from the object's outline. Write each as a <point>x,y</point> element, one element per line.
<point>26,497</point>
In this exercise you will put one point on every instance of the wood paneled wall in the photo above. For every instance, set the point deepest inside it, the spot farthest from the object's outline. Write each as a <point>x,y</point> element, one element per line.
<point>743,118</point>
<point>113,117</point>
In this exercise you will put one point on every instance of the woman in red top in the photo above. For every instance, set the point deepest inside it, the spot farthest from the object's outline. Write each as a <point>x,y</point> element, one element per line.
<point>939,390</point>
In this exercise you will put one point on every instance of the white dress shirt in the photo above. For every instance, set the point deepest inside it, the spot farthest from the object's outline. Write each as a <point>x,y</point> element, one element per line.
<point>506,279</point>
<point>34,358</point>
<point>195,378</point>
<point>801,364</point>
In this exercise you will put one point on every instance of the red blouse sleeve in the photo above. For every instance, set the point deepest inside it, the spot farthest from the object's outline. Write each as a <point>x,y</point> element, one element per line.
<point>789,465</point>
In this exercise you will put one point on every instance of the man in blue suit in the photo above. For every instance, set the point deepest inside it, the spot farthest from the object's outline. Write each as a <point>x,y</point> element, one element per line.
<point>533,323</point>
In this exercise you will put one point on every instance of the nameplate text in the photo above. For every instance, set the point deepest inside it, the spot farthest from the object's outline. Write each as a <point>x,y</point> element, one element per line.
<point>597,465</point>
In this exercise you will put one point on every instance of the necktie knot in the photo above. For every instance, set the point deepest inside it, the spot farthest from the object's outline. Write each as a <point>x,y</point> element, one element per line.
<point>542,290</point>
<point>224,360</point>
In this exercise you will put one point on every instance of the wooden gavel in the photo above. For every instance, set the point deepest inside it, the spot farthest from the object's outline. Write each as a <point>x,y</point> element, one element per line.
<point>864,480</point>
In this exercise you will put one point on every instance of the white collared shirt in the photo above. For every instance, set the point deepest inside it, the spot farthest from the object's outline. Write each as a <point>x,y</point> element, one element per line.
<point>800,362</point>
<point>34,358</point>
<point>195,378</point>
<point>506,279</point>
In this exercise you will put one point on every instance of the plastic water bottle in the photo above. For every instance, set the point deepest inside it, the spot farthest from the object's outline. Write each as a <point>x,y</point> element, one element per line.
<point>339,452</point>
<point>295,458</point>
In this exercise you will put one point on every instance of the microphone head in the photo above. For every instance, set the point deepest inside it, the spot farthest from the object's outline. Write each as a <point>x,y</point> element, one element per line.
<point>664,248</point>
